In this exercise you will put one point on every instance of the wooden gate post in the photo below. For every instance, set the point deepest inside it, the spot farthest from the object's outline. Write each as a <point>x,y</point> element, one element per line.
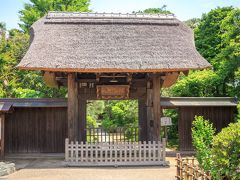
<point>82,109</point>
<point>142,119</point>
<point>2,118</point>
<point>149,108</point>
<point>72,107</point>
<point>153,107</point>
<point>156,107</point>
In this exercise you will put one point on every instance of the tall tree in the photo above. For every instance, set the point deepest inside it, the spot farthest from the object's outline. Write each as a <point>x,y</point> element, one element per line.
<point>217,39</point>
<point>193,23</point>
<point>208,34</point>
<point>21,84</point>
<point>227,62</point>
<point>162,10</point>
<point>2,26</point>
<point>2,29</point>
<point>17,83</point>
<point>38,8</point>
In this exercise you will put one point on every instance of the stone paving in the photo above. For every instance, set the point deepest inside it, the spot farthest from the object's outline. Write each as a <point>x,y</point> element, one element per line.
<point>54,169</point>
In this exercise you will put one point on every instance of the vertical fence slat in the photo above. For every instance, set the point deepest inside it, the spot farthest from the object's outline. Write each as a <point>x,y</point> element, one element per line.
<point>154,150</point>
<point>126,145</point>
<point>101,152</point>
<point>149,150</point>
<point>66,149</point>
<point>120,151</point>
<point>81,151</point>
<point>135,151</point>
<point>144,151</point>
<point>76,152</point>
<point>71,152</point>
<point>164,149</point>
<point>159,151</point>
<point>106,153</point>
<point>140,151</point>
<point>130,152</point>
<point>91,152</point>
<point>110,149</point>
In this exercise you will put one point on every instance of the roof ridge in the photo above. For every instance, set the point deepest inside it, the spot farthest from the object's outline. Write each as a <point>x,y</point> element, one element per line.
<point>61,14</point>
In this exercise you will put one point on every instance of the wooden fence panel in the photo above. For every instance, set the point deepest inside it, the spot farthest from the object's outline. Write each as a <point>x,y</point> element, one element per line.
<point>188,169</point>
<point>36,130</point>
<point>115,153</point>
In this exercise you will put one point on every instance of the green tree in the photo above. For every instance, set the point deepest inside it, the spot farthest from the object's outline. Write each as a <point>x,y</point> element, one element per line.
<point>198,83</point>
<point>217,39</point>
<point>120,114</point>
<point>208,34</point>
<point>11,51</point>
<point>227,62</point>
<point>2,28</point>
<point>193,23</point>
<point>38,8</point>
<point>91,123</point>
<point>162,10</point>
<point>17,83</point>
<point>22,84</point>
<point>95,109</point>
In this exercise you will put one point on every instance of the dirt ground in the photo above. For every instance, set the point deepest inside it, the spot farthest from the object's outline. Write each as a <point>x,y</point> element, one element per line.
<point>54,169</point>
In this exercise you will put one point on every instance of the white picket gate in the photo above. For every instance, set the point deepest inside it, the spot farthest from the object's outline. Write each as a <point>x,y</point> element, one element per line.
<point>115,153</point>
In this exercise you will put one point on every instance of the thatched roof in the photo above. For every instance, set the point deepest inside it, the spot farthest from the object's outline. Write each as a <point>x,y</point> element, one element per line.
<point>80,42</point>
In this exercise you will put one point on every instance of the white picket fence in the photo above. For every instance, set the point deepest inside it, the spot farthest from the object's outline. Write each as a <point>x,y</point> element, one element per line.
<point>115,153</point>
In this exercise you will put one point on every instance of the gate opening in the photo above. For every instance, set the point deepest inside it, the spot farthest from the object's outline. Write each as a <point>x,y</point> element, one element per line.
<point>112,121</point>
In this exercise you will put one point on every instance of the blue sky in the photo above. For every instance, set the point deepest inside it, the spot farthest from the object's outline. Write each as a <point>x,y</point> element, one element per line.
<point>183,9</point>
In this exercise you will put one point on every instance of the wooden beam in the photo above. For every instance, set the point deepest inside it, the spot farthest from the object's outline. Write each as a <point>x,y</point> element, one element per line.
<point>50,79</point>
<point>72,108</point>
<point>186,72</point>
<point>170,79</point>
<point>2,118</point>
<point>156,107</point>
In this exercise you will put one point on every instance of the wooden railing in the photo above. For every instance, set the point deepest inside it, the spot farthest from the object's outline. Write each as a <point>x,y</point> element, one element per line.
<point>115,153</point>
<point>188,169</point>
<point>126,134</point>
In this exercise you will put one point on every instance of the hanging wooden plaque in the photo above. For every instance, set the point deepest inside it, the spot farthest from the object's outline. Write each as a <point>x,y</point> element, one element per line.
<point>112,92</point>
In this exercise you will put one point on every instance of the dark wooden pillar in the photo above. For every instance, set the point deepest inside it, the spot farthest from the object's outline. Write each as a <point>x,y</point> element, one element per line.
<point>156,107</point>
<point>149,109</point>
<point>153,108</point>
<point>142,116</point>
<point>72,107</point>
<point>2,118</point>
<point>82,119</point>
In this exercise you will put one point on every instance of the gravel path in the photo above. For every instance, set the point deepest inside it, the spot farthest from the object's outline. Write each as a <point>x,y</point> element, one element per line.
<point>43,170</point>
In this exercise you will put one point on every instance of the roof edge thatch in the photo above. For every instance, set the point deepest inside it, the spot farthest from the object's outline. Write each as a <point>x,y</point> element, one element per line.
<point>109,70</point>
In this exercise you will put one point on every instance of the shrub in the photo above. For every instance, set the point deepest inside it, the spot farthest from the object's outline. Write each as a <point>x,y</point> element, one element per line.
<point>91,123</point>
<point>26,93</point>
<point>225,153</point>
<point>202,136</point>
